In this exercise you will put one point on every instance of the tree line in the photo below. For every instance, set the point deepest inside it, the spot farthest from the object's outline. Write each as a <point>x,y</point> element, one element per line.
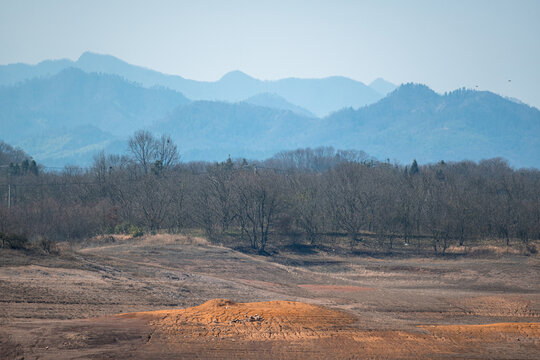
<point>306,193</point>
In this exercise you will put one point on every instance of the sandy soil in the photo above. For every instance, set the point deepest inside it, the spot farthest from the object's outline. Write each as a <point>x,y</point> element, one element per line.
<point>148,298</point>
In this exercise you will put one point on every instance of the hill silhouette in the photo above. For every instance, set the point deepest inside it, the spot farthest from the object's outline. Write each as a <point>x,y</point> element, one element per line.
<point>415,122</point>
<point>275,101</point>
<point>72,114</point>
<point>211,130</point>
<point>69,116</point>
<point>319,96</point>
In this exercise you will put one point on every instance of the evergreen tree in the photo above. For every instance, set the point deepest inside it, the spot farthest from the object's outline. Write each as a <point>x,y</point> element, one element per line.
<point>34,168</point>
<point>414,168</point>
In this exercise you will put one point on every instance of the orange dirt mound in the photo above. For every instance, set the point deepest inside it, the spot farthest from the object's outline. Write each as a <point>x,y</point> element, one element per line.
<point>285,329</point>
<point>221,318</point>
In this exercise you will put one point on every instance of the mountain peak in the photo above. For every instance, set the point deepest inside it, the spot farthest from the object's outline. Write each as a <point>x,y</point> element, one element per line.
<point>414,90</point>
<point>91,59</point>
<point>382,86</point>
<point>236,75</point>
<point>88,54</point>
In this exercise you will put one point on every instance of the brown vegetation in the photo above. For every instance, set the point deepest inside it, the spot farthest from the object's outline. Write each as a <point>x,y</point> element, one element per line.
<point>315,196</point>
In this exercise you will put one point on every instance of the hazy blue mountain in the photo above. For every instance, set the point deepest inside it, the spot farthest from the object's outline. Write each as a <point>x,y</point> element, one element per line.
<point>319,96</point>
<point>415,122</point>
<point>382,86</point>
<point>73,97</point>
<point>15,73</point>
<point>107,64</point>
<point>323,96</point>
<point>73,113</point>
<point>69,145</point>
<point>67,117</point>
<point>275,101</point>
<point>207,130</point>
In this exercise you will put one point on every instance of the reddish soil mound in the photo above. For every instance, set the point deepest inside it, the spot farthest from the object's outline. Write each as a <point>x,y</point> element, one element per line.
<point>220,318</point>
<point>222,329</point>
<point>284,329</point>
<point>342,288</point>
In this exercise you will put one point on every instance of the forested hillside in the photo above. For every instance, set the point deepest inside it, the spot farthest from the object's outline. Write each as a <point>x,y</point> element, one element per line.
<point>317,195</point>
<point>415,122</point>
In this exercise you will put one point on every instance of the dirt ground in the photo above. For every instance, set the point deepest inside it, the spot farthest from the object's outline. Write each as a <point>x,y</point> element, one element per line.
<point>168,296</point>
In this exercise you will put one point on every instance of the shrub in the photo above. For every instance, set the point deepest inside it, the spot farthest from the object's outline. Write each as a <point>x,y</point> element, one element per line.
<point>135,231</point>
<point>47,245</point>
<point>531,249</point>
<point>128,229</point>
<point>122,229</point>
<point>13,241</point>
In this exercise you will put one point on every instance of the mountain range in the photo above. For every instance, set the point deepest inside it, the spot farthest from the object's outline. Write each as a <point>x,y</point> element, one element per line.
<point>319,96</point>
<point>414,122</point>
<point>62,114</point>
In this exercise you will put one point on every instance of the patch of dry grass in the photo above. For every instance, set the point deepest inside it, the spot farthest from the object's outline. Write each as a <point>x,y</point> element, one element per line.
<point>494,250</point>
<point>169,239</point>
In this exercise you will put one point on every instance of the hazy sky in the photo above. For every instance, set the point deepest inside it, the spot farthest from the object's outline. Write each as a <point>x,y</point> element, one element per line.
<point>444,44</point>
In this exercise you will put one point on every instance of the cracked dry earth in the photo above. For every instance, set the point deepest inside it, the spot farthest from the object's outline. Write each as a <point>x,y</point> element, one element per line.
<point>167,297</point>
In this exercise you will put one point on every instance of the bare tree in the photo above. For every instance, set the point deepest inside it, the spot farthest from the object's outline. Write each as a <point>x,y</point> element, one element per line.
<point>143,148</point>
<point>258,199</point>
<point>322,189</point>
<point>166,152</point>
<point>309,205</point>
<point>348,199</point>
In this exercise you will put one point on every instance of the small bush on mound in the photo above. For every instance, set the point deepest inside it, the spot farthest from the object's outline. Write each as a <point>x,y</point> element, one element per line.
<point>122,229</point>
<point>135,231</point>
<point>13,241</point>
<point>48,246</point>
<point>531,249</point>
<point>128,229</point>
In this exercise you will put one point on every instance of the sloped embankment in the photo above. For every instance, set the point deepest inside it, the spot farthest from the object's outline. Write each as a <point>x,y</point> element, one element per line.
<point>276,320</point>
<point>222,328</point>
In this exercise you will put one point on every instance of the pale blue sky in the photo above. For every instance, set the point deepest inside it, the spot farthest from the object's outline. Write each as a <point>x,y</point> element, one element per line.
<point>444,44</point>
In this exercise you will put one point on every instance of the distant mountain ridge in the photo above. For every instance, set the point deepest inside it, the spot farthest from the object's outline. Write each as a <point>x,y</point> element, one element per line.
<point>69,116</point>
<point>319,96</point>
<point>210,130</point>
<point>412,122</point>
<point>275,101</point>
<point>415,122</point>
<point>382,86</point>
